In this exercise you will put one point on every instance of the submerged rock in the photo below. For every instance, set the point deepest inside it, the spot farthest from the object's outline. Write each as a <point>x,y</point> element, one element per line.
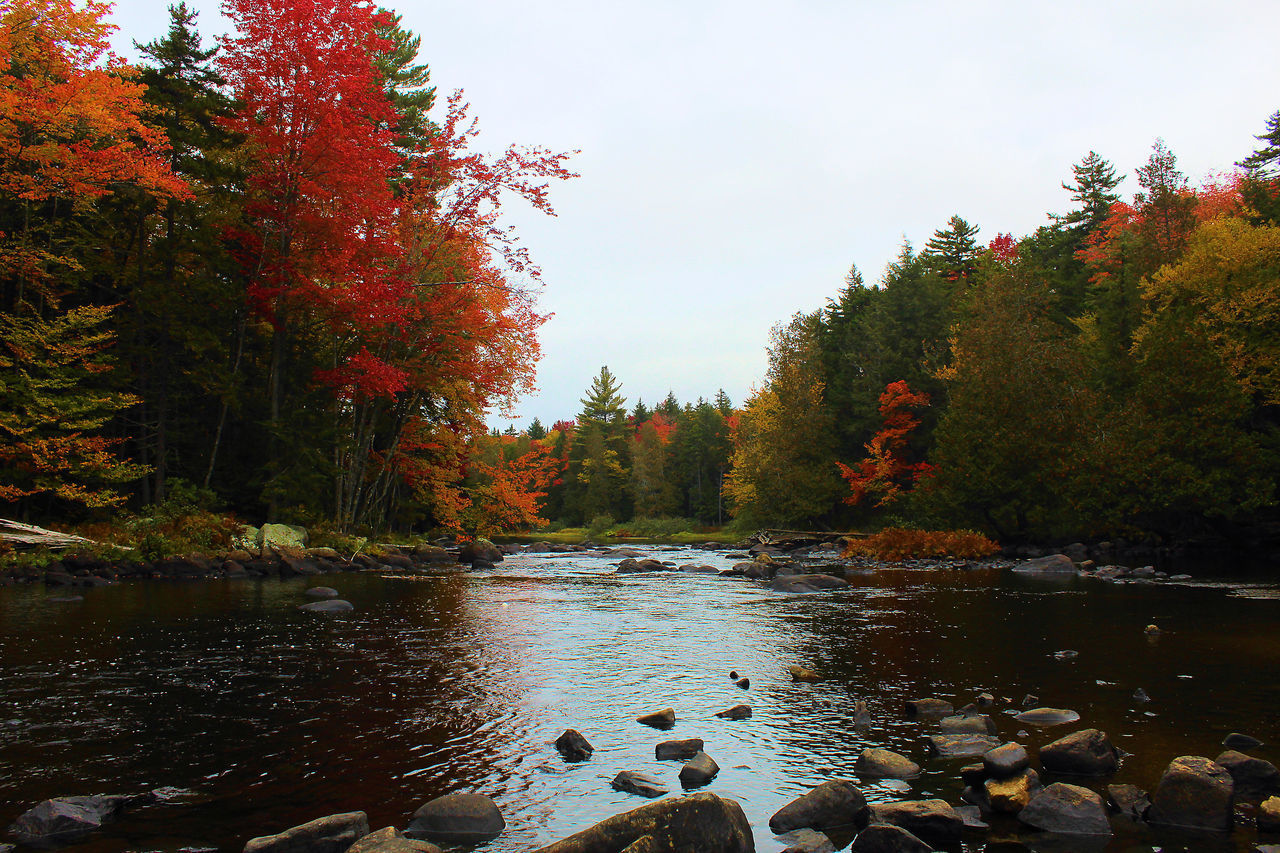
<point>800,673</point>
<point>333,605</point>
<point>1054,564</point>
<point>331,834</point>
<point>836,802</point>
<point>1084,753</point>
<point>809,841</point>
<point>974,724</point>
<point>1253,777</point>
<point>1045,717</point>
<point>886,838</point>
<point>459,818</point>
<point>737,712</point>
<point>1067,809</point>
<point>670,750</point>
<point>929,820</point>
<point>391,840</point>
<point>929,708</point>
<point>698,822</point>
<point>1128,801</point>
<point>634,782</point>
<point>961,746</point>
<point>321,592</point>
<point>885,764</point>
<point>62,820</point>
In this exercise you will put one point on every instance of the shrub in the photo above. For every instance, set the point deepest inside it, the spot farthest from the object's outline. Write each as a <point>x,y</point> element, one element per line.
<point>599,525</point>
<point>903,543</point>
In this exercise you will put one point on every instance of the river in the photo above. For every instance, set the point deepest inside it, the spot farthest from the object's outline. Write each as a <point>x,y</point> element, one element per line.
<point>263,717</point>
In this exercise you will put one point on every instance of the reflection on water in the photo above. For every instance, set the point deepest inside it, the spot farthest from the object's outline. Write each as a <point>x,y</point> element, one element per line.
<point>269,717</point>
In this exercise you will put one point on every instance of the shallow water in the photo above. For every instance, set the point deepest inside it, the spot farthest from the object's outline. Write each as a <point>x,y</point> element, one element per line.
<point>267,717</point>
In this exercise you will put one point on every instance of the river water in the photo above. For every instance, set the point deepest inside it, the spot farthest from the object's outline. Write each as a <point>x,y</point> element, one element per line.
<point>264,717</point>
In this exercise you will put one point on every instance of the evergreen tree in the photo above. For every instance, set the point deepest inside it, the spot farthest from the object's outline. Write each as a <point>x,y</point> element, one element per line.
<point>598,463</point>
<point>952,252</point>
<point>1093,192</point>
<point>536,430</point>
<point>1264,162</point>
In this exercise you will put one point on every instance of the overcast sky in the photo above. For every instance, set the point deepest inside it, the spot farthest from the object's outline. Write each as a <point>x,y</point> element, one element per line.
<point>737,157</point>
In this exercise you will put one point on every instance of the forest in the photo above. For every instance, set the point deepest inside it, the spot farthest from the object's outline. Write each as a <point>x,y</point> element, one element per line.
<point>269,276</point>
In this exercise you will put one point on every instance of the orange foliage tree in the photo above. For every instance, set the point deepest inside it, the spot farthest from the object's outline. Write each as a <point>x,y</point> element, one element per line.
<point>886,472</point>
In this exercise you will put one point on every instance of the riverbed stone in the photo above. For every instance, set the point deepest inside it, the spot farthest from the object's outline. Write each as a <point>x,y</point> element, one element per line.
<point>698,822</point>
<point>1054,564</point>
<point>1254,778</point>
<point>809,841</point>
<point>391,840</point>
<point>1087,752</point>
<point>737,712</point>
<point>861,713</point>
<point>479,549</point>
<point>635,782</point>
<point>321,592</point>
<point>333,605</point>
<point>1194,792</point>
<point>458,818</point>
<point>1046,717</point>
<point>885,764</point>
<point>807,583</point>
<point>1010,795</point>
<point>834,803</point>
<point>1007,759</point>
<point>1236,740</point>
<point>664,719</point>
<point>672,750</point>
<point>332,834</point>
<point>961,746</point>
<point>573,746</point>
<point>885,838</point>
<point>929,820</point>
<point>929,708</point>
<point>800,673</point>
<point>1067,809</point>
<point>698,771</point>
<point>974,724</point>
<point>64,819</point>
<point>1128,801</point>
<point>278,536</point>
<point>1268,818</point>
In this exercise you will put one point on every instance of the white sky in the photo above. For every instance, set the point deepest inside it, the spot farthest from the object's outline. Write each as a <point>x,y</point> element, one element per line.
<point>737,157</point>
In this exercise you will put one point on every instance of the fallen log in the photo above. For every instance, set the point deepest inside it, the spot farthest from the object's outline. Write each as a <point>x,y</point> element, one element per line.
<point>31,536</point>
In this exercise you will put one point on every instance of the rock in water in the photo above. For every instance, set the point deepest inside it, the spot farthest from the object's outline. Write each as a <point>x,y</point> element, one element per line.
<point>929,708</point>
<point>332,834</point>
<point>681,750</point>
<point>1194,792</point>
<point>1046,717</point>
<point>1128,801</point>
<point>1254,778</point>
<point>1235,740</point>
<point>459,818</point>
<point>1055,564</point>
<point>699,822</point>
<point>861,713</point>
<point>573,746</point>
<point>59,821</point>
<point>744,683</point>
<point>1008,759</point>
<point>973,724</point>
<point>961,746</point>
<point>321,592</point>
<point>664,719</point>
<point>931,820</point>
<point>333,605</point>
<point>799,673</point>
<point>885,838</point>
<point>885,764</point>
<point>633,782</point>
<point>1084,753</point>
<point>808,841</point>
<point>390,840</point>
<point>737,712</point>
<point>836,802</point>
<point>699,771</point>
<point>1067,809</point>
<point>1010,795</point>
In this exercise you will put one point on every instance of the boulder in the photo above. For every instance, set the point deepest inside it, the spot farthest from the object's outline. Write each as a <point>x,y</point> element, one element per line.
<point>332,834</point>
<point>664,719</point>
<point>276,536</point>
<point>807,583</point>
<point>680,750</point>
<point>744,683</point>
<point>737,712</point>
<point>1045,717</point>
<point>800,673</point>
<point>861,713</point>
<point>972,724</point>
<point>573,746</point>
<point>479,549</point>
<point>1010,795</point>
<point>1195,793</point>
<point>884,838</point>
<point>1084,753</point>
<point>699,771</point>
<point>1007,759</point>
<point>930,820</point>
<point>1067,809</point>
<point>1128,801</point>
<point>1236,740</point>
<point>425,553</point>
<point>1054,564</point>
<point>961,746</point>
<point>885,764</point>
<point>390,840</point>
<point>702,822</point>
<point>458,818</point>
<point>836,802</point>
<point>929,708</point>
<point>1268,819</point>
<point>61,820</point>
<point>1254,778</point>
<point>321,592</point>
<point>809,841</point>
<point>333,605</point>
<point>634,782</point>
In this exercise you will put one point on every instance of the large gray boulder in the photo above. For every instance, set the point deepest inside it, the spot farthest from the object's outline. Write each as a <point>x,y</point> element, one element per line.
<point>1054,564</point>
<point>1254,778</point>
<point>885,764</point>
<point>459,818</point>
<point>807,583</point>
<point>65,819</point>
<point>1194,792</point>
<point>332,834</point>
<point>886,838</point>
<point>930,820</point>
<point>391,840</point>
<point>1067,809</point>
<point>479,549</point>
<point>1087,752</point>
<point>277,536</point>
<point>698,822</point>
<point>836,802</point>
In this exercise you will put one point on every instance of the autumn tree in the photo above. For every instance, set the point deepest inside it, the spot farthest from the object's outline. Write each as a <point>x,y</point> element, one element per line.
<point>888,471</point>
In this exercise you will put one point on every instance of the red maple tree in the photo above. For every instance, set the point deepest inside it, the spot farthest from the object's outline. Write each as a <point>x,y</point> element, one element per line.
<point>886,472</point>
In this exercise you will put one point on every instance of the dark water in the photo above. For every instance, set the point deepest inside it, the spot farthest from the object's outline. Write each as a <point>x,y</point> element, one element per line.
<point>268,717</point>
